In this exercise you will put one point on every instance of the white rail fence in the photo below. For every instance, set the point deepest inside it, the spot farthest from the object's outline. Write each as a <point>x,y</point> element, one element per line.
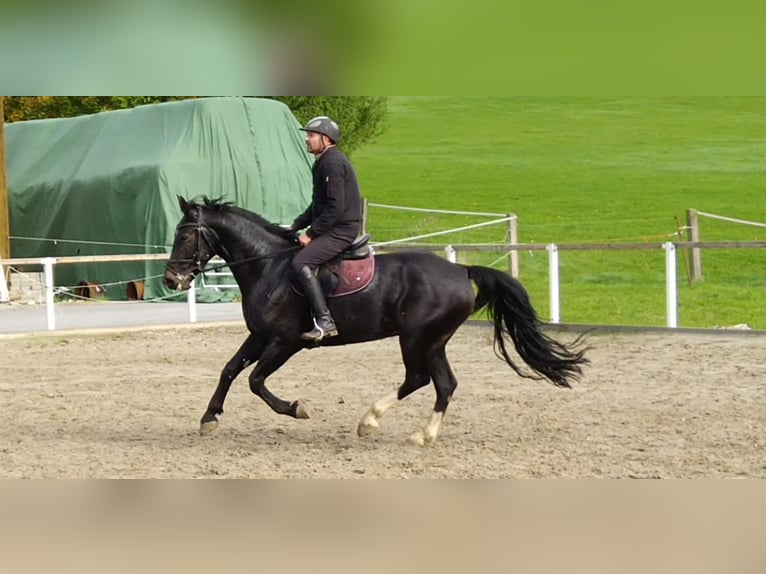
<point>5,296</point>
<point>671,267</point>
<point>669,248</point>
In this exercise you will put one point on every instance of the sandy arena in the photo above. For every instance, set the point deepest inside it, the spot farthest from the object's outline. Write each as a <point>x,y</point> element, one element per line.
<point>127,405</point>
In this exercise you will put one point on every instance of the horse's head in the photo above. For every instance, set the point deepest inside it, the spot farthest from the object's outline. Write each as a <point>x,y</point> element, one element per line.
<point>194,245</point>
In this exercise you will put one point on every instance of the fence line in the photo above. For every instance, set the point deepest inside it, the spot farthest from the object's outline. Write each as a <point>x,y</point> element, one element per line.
<point>442,211</point>
<point>506,219</point>
<point>85,242</point>
<point>670,249</point>
<point>511,235</point>
<point>483,247</point>
<point>731,219</point>
<point>90,259</point>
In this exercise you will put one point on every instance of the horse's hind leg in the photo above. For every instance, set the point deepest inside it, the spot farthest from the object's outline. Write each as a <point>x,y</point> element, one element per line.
<point>370,423</point>
<point>445,383</point>
<point>247,354</point>
<point>416,377</point>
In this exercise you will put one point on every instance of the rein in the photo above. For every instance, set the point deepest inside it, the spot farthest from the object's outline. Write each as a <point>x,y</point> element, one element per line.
<point>249,259</point>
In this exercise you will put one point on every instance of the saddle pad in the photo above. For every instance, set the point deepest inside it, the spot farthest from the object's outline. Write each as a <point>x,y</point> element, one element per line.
<point>353,275</point>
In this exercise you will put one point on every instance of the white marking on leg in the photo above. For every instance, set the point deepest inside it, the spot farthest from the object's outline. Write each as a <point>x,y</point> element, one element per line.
<point>433,426</point>
<point>380,406</point>
<point>428,434</point>
<point>370,422</point>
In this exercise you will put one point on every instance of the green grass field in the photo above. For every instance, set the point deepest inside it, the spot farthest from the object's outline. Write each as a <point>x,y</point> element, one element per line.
<point>587,170</point>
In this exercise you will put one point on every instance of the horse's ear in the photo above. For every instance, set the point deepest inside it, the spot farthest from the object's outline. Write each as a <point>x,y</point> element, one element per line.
<point>184,205</point>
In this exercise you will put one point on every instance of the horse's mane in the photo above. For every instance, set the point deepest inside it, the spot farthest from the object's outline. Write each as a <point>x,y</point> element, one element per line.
<point>218,204</point>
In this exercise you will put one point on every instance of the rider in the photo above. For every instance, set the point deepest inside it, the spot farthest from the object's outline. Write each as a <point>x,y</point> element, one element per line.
<point>333,219</point>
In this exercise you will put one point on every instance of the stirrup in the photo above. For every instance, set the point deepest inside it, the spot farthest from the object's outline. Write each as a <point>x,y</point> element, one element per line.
<point>318,333</point>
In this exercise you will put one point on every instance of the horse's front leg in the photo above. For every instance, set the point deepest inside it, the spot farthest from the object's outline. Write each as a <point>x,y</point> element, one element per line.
<point>247,354</point>
<point>275,355</point>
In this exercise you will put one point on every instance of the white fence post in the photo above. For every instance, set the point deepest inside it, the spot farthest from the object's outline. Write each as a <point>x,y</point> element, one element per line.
<point>451,254</point>
<point>553,265</point>
<point>671,285</point>
<point>50,312</point>
<point>191,298</point>
<point>5,296</point>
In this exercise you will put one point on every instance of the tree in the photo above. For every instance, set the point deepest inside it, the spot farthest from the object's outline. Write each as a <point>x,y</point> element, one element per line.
<point>18,108</point>
<point>361,118</point>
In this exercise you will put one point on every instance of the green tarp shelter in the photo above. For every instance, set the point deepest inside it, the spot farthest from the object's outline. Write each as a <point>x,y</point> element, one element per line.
<point>107,183</point>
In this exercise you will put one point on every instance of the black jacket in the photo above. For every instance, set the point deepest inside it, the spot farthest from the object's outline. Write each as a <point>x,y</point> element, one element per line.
<point>336,199</point>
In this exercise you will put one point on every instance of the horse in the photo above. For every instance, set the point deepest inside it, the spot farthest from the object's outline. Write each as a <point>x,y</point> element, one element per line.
<point>419,297</point>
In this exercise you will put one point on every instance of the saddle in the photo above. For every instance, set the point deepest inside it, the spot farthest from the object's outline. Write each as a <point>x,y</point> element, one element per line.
<point>350,272</point>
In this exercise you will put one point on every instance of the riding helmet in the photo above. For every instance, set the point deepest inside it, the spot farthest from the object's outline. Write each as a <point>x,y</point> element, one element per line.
<point>325,126</point>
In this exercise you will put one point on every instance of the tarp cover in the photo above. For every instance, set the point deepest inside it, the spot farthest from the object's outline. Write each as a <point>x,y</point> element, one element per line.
<point>107,183</point>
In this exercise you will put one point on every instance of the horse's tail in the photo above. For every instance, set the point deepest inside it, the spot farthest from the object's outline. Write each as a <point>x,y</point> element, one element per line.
<point>512,314</point>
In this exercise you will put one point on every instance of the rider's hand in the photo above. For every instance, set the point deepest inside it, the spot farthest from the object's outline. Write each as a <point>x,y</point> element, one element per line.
<point>304,239</point>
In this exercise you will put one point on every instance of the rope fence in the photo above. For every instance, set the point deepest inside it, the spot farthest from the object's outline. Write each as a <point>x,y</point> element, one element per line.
<point>86,242</point>
<point>731,219</point>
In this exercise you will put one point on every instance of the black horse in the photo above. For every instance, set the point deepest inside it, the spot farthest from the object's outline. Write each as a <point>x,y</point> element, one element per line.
<point>420,297</point>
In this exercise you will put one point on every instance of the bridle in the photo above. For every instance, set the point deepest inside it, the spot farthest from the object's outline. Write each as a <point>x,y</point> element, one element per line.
<point>204,233</point>
<point>215,246</point>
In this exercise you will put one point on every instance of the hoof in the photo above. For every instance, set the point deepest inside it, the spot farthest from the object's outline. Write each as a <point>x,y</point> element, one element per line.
<point>207,427</point>
<point>421,439</point>
<point>418,439</point>
<point>368,426</point>
<point>301,411</point>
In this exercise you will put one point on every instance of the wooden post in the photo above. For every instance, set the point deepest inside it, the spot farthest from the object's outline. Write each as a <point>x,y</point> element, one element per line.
<point>5,242</point>
<point>693,230</point>
<point>684,252</point>
<point>364,215</point>
<point>513,239</point>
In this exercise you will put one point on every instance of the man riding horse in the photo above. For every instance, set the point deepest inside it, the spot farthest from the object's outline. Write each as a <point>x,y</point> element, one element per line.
<point>332,222</point>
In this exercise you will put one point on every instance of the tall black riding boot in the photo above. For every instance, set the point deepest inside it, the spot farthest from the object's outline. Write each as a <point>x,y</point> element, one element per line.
<point>324,326</point>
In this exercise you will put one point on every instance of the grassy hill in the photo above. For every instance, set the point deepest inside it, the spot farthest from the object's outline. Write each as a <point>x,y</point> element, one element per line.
<point>593,170</point>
